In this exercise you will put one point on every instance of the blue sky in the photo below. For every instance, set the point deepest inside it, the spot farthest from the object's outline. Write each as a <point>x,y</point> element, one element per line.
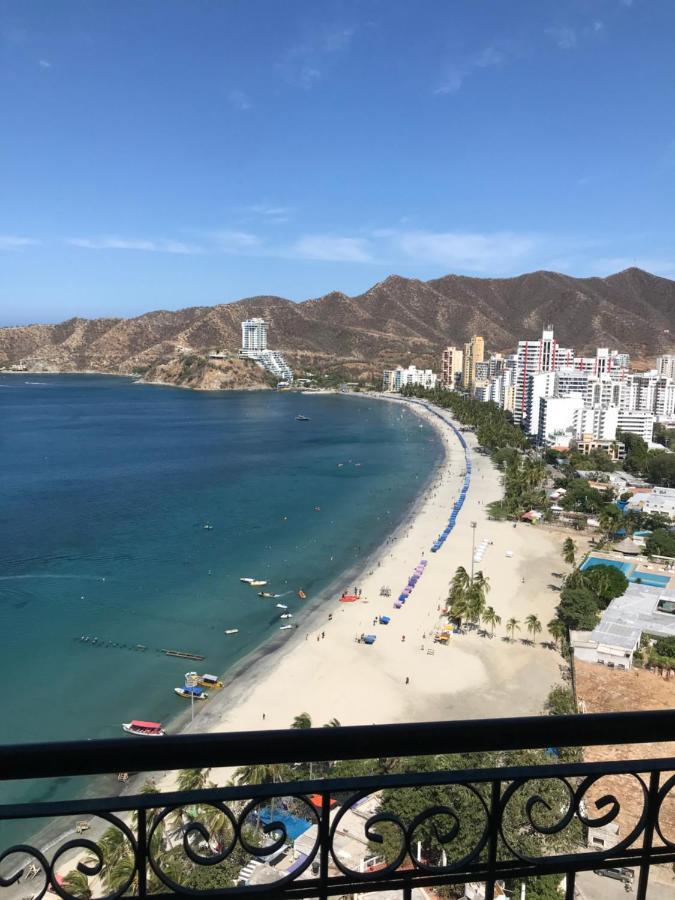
<point>170,153</point>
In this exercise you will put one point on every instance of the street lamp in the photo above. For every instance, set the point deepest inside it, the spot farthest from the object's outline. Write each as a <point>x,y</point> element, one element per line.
<point>191,680</point>
<point>473,545</point>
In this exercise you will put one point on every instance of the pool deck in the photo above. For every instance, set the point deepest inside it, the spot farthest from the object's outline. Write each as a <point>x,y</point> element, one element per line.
<point>650,573</point>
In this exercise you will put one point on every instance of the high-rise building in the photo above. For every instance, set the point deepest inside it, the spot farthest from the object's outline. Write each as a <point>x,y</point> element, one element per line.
<point>474,352</point>
<point>649,392</point>
<point>451,367</point>
<point>254,334</point>
<point>541,355</point>
<point>665,365</point>
<point>254,346</point>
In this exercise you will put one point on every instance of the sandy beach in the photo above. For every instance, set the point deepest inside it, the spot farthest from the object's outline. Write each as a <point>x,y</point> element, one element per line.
<point>325,672</point>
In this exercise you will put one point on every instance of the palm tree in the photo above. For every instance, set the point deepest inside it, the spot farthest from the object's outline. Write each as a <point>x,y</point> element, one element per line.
<point>533,626</point>
<point>482,582</point>
<point>512,626</point>
<point>568,551</point>
<point>557,630</point>
<point>193,779</point>
<point>77,884</point>
<point>475,599</point>
<point>304,720</point>
<point>491,618</point>
<point>459,584</point>
<point>261,773</point>
<point>460,609</point>
<point>333,723</point>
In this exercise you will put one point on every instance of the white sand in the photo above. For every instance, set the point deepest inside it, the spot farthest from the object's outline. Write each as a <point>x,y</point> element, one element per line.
<point>472,677</point>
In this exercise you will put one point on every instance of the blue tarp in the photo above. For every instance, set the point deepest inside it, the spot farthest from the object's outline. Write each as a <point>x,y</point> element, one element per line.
<point>369,639</point>
<point>384,620</point>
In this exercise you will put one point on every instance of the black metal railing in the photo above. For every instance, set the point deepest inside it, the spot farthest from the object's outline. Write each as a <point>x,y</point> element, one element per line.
<point>399,829</point>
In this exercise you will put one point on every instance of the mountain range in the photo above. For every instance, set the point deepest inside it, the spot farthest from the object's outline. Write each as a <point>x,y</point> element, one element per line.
<point>398,320</point>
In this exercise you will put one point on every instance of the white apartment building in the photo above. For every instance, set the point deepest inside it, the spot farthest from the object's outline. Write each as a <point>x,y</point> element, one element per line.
<point>452,364</point>
<point>557,418</point>
<point>635,422</point>
<point>533,357</point>
<point>604,390</point>
<point>605,362</point>
<point>539,385</point>
<point>665,365</point>
<point>254,334</point>
<point>658,500</point>
<point>254,346</point>
<point>650,392</point>
<point>395,379</point>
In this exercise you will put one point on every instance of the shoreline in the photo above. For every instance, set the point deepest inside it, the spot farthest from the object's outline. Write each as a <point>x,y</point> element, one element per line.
<point>403,677</point>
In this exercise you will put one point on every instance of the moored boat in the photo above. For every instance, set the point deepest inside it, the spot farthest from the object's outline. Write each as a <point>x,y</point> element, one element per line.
<point>189,692</point>
<point>281,606</point>
<point>285,627</point>
<point>209,681</point>
<point>231,631</point>
<point>286,616</point>
<point>302,595</point>
<point>301,419</point>
<point>257,583</point>
<point>145,729</point>
<point>247,580</point>
<point>265,594</point>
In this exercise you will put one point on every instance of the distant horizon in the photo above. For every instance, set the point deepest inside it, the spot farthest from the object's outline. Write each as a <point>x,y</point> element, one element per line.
<point>277,296</point>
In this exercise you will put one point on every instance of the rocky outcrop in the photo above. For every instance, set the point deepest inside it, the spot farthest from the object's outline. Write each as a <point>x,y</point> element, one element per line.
<point>202,374</point>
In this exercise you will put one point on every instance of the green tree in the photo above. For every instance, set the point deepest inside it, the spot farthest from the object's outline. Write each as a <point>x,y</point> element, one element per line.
<point>77,884</point>
<point>636,452</point>
<point>569,550</point>
<point>558,632</point>
<point>661,543</point>
<point>193,779</point>
<point>303,720</point>
<point>333,723</point>
<point>512,626</point>
<point>560,702</point>
<point>491,619</point>
<point>260,773</point>
<point>578,608</point>
<point>606,582</point>
<point>533,626</point>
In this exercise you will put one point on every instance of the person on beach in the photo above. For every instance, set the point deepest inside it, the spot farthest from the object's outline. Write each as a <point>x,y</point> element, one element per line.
<point>407,679</point>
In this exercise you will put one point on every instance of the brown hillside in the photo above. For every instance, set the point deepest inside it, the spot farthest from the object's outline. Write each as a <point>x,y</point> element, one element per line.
<point>397,320</point>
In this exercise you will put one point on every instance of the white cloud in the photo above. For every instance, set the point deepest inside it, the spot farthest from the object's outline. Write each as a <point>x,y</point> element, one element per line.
<point>271,215</point>
<point>16,242</point>
<point>302,65</point>
<point>112,242</point>
<point>44,63</point>
<point>456,72</point>
<point>331,248</point>
<point>239,100</point>
<point>564,36</point>
<point>235,241</point>
<point>466,250</point>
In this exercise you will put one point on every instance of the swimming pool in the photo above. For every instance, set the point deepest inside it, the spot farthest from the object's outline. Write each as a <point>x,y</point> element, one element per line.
<point>295,826</point>
<point>651,579</point>
<point>624,567</point>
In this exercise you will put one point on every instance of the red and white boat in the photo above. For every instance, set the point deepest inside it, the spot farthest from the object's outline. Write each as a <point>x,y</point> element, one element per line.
<point>145,729</point>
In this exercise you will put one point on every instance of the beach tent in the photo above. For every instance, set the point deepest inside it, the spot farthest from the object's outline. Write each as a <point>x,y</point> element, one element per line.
<point>384,620</point>
<point>370,639</point>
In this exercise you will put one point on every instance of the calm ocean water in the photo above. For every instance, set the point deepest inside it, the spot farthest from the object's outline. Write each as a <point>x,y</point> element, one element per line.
<point>106,487</point>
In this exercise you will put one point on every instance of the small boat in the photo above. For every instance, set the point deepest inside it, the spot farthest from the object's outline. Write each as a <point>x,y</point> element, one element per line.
<point>257,583</point>
<point>189,693</point>
<point>231,631</point>
<point>209,681</point>
<point>285,627</point>
<point>302,595</point>
<point>247,580</point>
<point>145,729</point>
<point>208,527</point>
<point>281,606</point>
<point>301,419</point>
<point>265,594</point>
<point>286,616</point>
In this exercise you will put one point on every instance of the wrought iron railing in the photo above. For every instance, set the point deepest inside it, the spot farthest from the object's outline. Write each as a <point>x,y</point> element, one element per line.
<point>396,830</point>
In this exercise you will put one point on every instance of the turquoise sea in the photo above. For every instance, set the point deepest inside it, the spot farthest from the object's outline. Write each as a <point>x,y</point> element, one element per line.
<point>106,487</point>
